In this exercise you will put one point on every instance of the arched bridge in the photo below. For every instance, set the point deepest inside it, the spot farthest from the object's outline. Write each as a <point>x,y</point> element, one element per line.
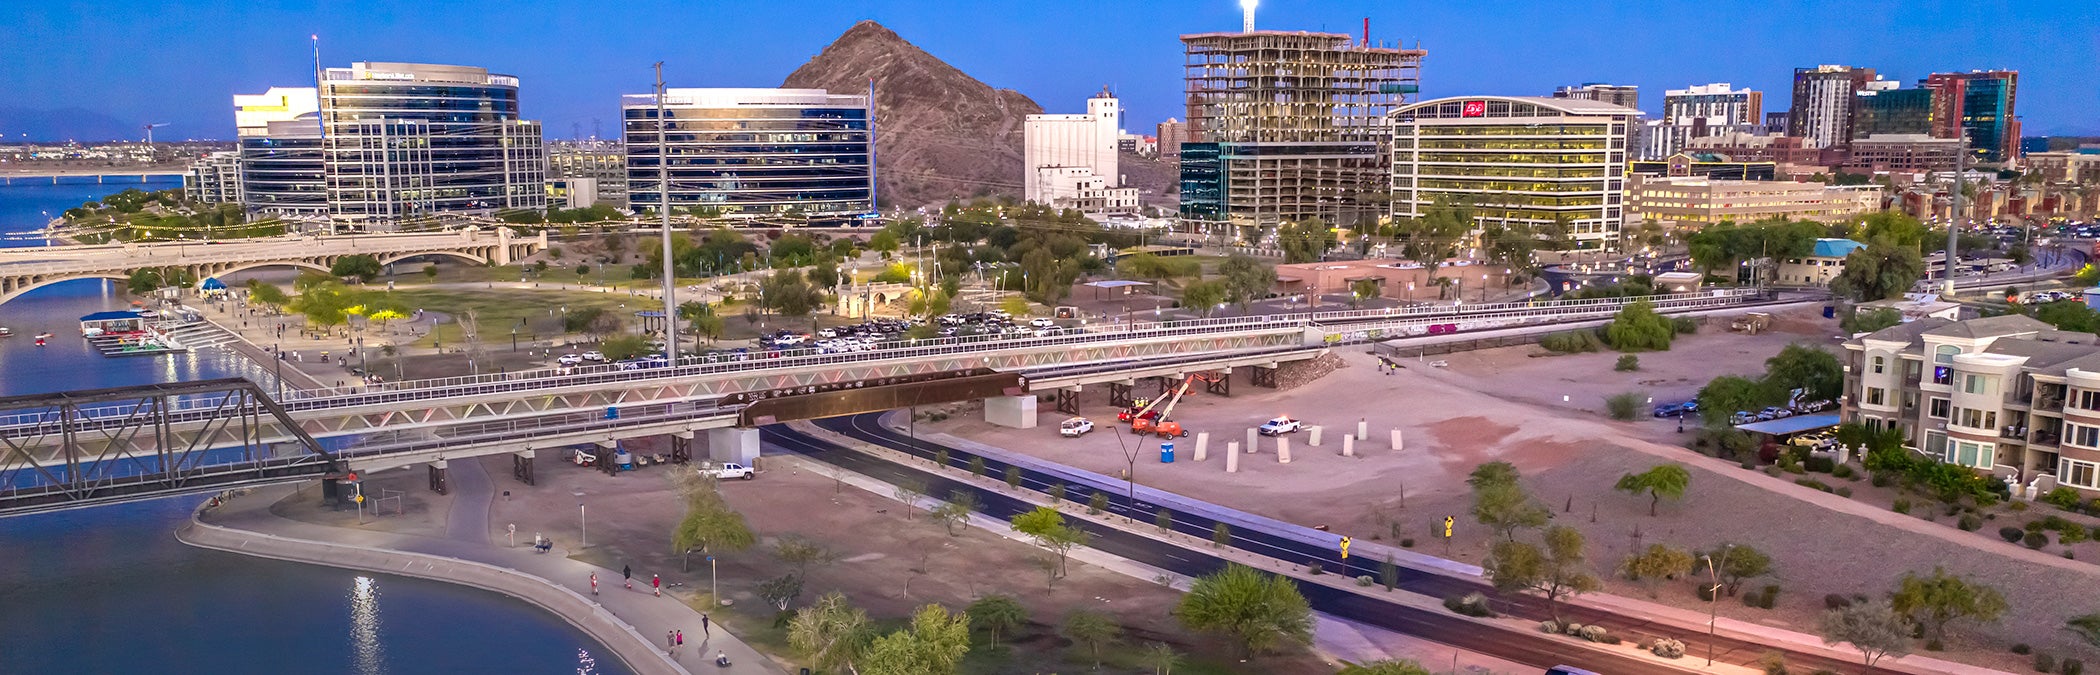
<point>26,269</point>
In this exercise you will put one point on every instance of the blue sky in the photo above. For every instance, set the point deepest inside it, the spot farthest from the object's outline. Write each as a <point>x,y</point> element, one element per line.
<point>179,62</point>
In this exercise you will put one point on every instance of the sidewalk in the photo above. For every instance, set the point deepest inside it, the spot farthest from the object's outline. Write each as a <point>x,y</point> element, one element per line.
<point>630,623</point>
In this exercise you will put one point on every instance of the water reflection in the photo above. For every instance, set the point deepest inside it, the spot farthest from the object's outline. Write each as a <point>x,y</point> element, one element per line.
<point>364,627</point>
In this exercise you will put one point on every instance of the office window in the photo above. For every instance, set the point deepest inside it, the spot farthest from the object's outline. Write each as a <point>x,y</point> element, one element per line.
<point>1975,419</point>
<point>2077,473</point>
<point>1937,408</point>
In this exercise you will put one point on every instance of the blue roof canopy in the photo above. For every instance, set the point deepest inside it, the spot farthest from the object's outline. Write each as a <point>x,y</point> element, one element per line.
<point>214,284</point>
<point>1835,248</point>
<point>1791,425</point>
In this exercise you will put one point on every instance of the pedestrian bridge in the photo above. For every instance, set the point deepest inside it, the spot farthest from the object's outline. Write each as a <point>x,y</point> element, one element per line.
<point>63,450</point>
<point>27,269</point>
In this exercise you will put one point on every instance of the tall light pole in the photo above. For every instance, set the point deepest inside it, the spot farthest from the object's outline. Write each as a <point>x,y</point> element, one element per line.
<point>663,186</point>
<point>583,518</point>
<point>1713,600</point>
<point>1954,220</point>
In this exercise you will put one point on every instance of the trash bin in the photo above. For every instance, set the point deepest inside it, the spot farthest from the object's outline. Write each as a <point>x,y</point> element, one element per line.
<point>1166,453</point>
<point>1830,311</point>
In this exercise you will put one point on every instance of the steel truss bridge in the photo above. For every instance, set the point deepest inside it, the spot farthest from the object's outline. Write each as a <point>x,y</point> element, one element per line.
<point>94,447</point>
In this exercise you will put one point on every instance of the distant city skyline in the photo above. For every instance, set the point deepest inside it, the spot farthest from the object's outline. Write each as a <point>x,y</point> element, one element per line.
<point>139,62</point>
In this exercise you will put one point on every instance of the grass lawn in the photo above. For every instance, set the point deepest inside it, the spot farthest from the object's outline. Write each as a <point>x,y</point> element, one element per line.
<point>499,309</point>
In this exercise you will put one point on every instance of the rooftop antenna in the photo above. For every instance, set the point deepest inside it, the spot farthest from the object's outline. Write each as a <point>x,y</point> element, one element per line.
<point>1247,15</point>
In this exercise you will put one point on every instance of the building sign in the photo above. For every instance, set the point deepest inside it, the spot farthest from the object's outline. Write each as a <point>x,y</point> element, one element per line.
<point>1474,109</point>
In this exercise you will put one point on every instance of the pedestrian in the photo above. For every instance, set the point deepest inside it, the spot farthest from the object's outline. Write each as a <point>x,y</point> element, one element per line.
<point>657,582</point>
<point>628,574</point>
<point>681,638</point>
<point>594,583</point>
<point>705,632</point>
<point>670,639</point>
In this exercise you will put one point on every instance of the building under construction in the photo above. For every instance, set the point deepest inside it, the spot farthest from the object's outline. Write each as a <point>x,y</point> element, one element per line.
<point>1286,126</point>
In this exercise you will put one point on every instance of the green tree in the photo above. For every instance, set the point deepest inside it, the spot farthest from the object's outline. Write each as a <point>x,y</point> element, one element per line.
<point>1259,612</point>
<point>1305,240</point>
<point>1092,629</point>
<point>1501,504</point>
<point>1815,372</point>
<point>709,525</point>
<point>954,514</point>
<point>1492,473</point>
<point>1386,667</point>
<point>998,614</point>
<point>356,266</point>
<point>1203,296</point>
<point>623,347</point>
<point>1655,565</point>
<point>1435,237</point>
<point>823,275</point>
<point>1735,563</point>
<point>324,305</point>
<point>1048,528</point>
<point>934,644</point>
<point>1873,628</point>
<point>787,292</point>
<point>1560,570</point>
<point>1161,658</point>
<point>2070,316</point>
<point>801,554</point>
<point>1936,600</point>
<point>1365,289</point>
<point>1728,394</point>
<point>1878,271</point>
<point>1638,328</point>
<point>1246,279</point>
<point>781,591</point>
<point>267,295</point>
<point>144,281</point>
<point>1895,227</point>
<point>1662,480</point>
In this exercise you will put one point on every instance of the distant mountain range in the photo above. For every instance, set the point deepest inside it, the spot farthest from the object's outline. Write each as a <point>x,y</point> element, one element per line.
<point>63,124</point>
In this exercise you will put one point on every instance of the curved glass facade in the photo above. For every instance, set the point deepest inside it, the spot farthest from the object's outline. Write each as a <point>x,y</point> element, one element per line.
<point>753,152</point>
<point>407,140</point>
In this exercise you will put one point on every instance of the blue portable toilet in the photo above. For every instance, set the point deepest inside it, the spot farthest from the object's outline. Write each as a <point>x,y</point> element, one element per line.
<point>1166,453</point>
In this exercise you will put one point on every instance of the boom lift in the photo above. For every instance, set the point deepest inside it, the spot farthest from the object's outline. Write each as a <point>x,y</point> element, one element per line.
<point>1164,425</point>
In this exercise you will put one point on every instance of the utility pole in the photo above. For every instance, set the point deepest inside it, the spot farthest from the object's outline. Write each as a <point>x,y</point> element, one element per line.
<point>663,182</point>
<point>1954,221</point>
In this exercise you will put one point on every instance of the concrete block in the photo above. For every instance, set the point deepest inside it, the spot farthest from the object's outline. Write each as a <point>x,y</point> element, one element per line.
<point>1202,445</point>
<point>1253,440</point>
<point>1315,440</point>
<point>1348,446</point>
<point>1232,457</point>
<point>1011,411</point>
<point>1283,449</point>
<point>1396,439</point>
<point>730,444</point>
<point>1363,430</point>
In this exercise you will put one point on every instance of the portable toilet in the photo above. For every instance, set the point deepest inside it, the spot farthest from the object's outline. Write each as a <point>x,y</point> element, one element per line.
<point>1166,453</point>
<point>2092,298</point>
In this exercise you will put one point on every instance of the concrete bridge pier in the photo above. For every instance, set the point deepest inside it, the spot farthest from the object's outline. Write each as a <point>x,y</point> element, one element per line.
<point>682,447</point>
<point>606,463</point>
<point>733,444</point>
<point>1068,400</point>
<point>521,466</point>
<point>1011,411</point>
<point>437,478</point>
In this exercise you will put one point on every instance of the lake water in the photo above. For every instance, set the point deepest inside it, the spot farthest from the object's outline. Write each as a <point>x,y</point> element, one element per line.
<point>110,590</point>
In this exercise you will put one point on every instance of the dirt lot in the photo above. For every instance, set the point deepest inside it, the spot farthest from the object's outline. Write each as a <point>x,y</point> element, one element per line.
<point>1505,404</point>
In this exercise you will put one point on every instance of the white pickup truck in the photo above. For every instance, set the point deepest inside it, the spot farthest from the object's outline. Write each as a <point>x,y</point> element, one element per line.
<point>728,471</point>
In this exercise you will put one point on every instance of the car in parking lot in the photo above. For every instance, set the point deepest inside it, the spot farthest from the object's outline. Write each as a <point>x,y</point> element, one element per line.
<point>569,359</point>
<point>1042,322</point>
<point>1742,417</point>
<point>1676,409</point>
<point>594,356</point>
<point>1075,427</point>
<point>1773,413</point>
<point>1280,426</point>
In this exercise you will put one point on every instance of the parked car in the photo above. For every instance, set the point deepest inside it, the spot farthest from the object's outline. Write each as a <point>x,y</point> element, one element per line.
<point>1075,427</point>
<point>1812,406</point>
<point>728,471</point>
<point>1742,417</point>
<point>569,360</point>
<point>1280,426</point>
<point>1669,410</point>
<point>1042,322</point>
<point>1774,412</point>
<point>594,356</point>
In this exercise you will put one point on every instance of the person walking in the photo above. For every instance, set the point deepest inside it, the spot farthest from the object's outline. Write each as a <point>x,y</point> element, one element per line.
<point>681,638</point>
<point>705,632</point>
<point>657,583</point>
<point>670,640</point>
<point>627,573</point>
<point>594,583</point>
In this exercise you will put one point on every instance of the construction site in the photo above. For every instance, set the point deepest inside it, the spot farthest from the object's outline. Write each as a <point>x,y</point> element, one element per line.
<point>1287,126</point>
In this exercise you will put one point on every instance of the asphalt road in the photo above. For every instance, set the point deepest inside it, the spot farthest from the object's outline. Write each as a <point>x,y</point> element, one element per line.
<point>1525,647</point>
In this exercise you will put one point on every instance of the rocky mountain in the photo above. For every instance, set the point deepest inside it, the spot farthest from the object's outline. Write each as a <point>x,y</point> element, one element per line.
<point>940,134</point>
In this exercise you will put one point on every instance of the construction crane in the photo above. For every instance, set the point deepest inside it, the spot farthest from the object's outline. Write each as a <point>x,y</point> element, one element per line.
<point>149,131</point>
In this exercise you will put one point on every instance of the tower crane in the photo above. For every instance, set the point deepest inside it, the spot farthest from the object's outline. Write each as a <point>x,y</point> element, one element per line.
<point>149,131</point>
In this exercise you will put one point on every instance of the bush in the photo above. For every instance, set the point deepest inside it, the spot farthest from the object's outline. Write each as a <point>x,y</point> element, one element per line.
<point>1901,506</point>
<point>2022,649</point>
<point>1668,648</point>
<point>1881,480</point>
<point>1934,646</point>
<point>1572,342</point>
<point>1763,598</point>
<point>1407,543</point>
<point>2071,535</point>
<point>1549,627</point>
<point>1097,503</point>
<point>2011,534</point>
<point>1470,604</point>
<point>1845,492</point>
<point>1836,601</point>
<point>1057,493</point>
<point>2035,540</point>
<point>2062,498</point>
<point>1365,581</point>
<point>1820,464</point>
<point>1627,363</point>
<point>1844,471</point>
<point>1593,633</point>
<point>1638,328</point>
<point>2071,667</point>
<point>1813,483</point>
<point>1314,570</point>
<point>1624,406</point>
<point>1772,663</point>
<point>2044,663</point>
<point>1969,522</point>
<point>1685,325</point>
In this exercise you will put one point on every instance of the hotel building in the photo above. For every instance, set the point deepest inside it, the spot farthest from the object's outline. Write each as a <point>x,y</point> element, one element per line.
<point>1515,158</point>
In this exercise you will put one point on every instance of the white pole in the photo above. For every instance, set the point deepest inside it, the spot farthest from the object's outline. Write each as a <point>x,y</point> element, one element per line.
<point>586,520</point>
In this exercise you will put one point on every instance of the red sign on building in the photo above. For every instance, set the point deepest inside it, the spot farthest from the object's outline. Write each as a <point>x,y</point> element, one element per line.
<point>1474,109</point>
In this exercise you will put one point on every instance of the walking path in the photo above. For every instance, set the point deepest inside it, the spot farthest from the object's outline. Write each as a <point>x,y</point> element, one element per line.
<point>630,623</point>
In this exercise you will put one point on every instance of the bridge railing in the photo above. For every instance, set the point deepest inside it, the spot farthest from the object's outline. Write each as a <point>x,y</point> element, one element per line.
<point>1595,308</point>
<point>50,260</point>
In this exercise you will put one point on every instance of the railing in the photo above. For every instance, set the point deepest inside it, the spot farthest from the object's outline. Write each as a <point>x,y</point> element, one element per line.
<point>229,251</point>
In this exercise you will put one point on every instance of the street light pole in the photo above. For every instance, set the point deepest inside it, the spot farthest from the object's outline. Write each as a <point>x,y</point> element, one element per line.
<point>584,518</point>
<point>1713,600</point>
<point>663,177</point>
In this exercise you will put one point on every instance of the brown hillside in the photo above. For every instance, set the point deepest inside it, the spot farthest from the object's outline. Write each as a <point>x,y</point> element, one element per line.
<point>940,134</point>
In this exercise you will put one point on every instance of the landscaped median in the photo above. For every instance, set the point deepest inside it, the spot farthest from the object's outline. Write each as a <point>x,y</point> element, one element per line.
<point>1512,627</point>
<point>637,652</point>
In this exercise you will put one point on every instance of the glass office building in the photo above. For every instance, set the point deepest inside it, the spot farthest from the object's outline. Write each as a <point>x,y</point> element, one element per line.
<point>1515,159</point>
<point>405,141</point>
<point>753,153</point>
<point>1892,111</point>
<point>282,169</point>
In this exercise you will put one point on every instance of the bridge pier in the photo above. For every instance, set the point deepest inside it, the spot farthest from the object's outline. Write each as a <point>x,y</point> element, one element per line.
<point>1222,386</point>
<point>733,444</point>
<point>1119,394</point>
<point>1068,400</point>
<point>437,477</point>
<point>1265,376</point>
<point>521,466</point>
<point>606,450</point>
<point>1166,384</point>
<point>1011,411</point>
<point>681,447</point>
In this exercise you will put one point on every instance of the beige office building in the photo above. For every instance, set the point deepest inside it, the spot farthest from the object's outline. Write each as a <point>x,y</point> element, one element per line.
<point>1516,159</point>
<point>1693,202</point>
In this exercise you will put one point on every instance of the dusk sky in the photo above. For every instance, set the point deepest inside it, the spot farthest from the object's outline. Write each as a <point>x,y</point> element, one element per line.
<point>180,62</point>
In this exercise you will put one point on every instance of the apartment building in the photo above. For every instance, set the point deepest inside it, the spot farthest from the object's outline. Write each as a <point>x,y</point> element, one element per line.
<point>2007,395</point>
<point>1698,201</point>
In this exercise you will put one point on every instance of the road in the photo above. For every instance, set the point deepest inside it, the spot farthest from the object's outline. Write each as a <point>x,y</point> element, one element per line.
<point>1525,647</point>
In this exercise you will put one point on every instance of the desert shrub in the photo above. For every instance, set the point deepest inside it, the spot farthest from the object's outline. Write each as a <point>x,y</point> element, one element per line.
<point>1820,464</point>
<point>1685,325</point>
<point>1572,342</point>
<point>1845,492</point>
<point>1624,406</point>
<point>1843,471</point>
<point>2011,534</point>
<point>2071,535</point>
<point>1593,633</point>
<point>2022,649</point>
<point>2017,507</point>
<point>1901,506</point>
<point>1668,648</point>
<point>1882,480</point>
<point>2071,666</point>
<point>2068,555</point>
<point>1470,604</point>
<point>1762,598</point>
<point>2062,498</point>
<point>1813,483</point>
<point>1969,522</point>
<point>2044,662</point>
<point>1627,363</point>
<point>1365,581</point>
<point>1549,626</point>
<point>1836,601</point>
<point>1407,543</point>
<point>1772,663</point>
<point>2035,540</point>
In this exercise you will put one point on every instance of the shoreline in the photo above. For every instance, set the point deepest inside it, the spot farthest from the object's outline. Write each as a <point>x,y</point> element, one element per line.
<point>639,654</point>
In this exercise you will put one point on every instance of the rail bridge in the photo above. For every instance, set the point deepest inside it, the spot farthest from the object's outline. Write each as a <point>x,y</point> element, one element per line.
<point>85,448</point>
<point>29,268</point>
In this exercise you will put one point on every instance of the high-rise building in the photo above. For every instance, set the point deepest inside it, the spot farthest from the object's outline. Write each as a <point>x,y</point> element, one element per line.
<point>1978,106</point>
<point>1707,101</point>
<point>1626,95</point>
<point>603,161</point>
<point>1516,159</point>
<point>1172,133</point>
<point>1775,123</point>
<point>1822,107</point>
<point>282,166</point>
<point>214,178</point>
<point>753,153</point>
<point>1062,154</point>
<point>1287,126</point>
<point>1892,111</point>
<point>410,140</point>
